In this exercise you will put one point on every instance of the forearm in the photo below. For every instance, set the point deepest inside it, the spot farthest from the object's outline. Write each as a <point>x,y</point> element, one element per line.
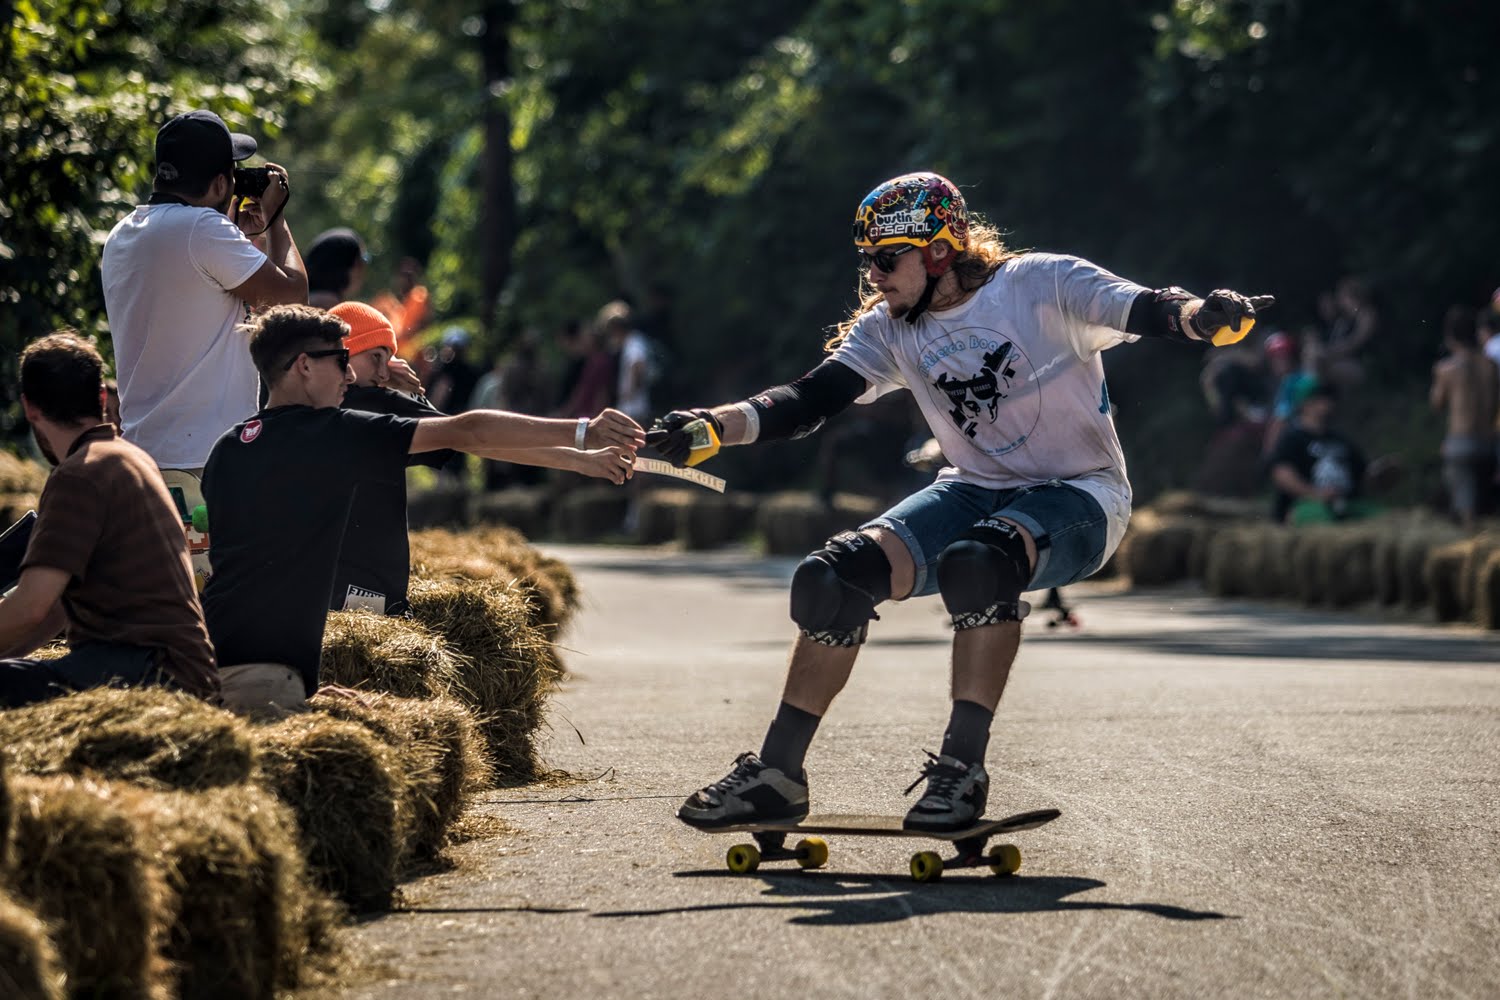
<point>21,634</point>
<point>792,411</point>
<point>492,433</point>
<point>1288,481</point>
<point>568,459</point>
<point>282,251</point>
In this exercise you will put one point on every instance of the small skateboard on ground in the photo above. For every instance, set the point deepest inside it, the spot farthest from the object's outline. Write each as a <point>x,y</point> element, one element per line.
<point>812,851</point>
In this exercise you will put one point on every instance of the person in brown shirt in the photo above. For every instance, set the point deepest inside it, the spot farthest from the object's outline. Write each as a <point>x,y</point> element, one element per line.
<point>107,560</point>
<point>1465,387</point>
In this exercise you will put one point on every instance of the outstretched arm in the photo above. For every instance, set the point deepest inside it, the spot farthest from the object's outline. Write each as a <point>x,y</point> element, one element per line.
<point>786,412</point>
<point>493,433</point>
<point>614,463</point>
<point>1221,319</point>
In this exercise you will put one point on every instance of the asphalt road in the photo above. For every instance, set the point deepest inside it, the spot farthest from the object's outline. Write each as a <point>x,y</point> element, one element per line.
<point>1256,802</point>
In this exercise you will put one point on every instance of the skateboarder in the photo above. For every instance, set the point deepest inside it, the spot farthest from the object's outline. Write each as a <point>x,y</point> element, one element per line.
<point>1001,351</point>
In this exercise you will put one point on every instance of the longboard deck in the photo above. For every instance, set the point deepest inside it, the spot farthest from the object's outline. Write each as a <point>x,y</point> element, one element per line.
<point>852,825</point>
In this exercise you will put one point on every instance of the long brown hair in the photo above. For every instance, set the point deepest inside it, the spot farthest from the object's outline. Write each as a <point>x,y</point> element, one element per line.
<point>973,267</point>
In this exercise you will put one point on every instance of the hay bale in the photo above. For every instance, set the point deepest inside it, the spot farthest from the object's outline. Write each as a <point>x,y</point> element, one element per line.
<point>507,664</point>
<point>713,520</point>
<point>445,503</point>
<point>84,866</point>
<point>1487,593</point>
<point>29,966</point>
<point>1481,547</point>
<point>439,743</point>
<point>1184,503</point>
<point>1346,568</point>
<point>148,736</point>
<point>348,791</point>
<point>1425,535</point>
<point>381,653</point>
<point>21,475</point>
<point>1443,574</point>
<point>1156,549</point>
<point>660,514</point>
<point>13,507</point>
<point>523,508</point>
<point>7,817</point>
<point>497,553</point>
<point>245,918</point>
<point>589,512</point>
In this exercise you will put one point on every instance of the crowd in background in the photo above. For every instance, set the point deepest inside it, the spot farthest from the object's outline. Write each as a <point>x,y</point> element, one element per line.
<point>1283,402</point>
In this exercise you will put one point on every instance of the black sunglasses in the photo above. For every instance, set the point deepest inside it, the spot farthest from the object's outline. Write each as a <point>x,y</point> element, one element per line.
<point>342,353</point>
<point>883,259</point>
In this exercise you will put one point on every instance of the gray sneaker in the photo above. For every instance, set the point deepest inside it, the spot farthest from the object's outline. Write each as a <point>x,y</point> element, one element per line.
<point>750,793</point>
<point>955,796</point>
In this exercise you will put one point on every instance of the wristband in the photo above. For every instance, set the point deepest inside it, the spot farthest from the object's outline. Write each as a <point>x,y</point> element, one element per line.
<point>752,422</point>
<point>581,433</point>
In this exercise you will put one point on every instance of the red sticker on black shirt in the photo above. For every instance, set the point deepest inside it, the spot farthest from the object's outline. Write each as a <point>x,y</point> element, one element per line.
<point>250,431</point>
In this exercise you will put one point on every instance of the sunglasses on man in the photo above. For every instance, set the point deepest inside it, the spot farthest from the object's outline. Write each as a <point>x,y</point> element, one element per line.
<point>342,353</point>
<point>883,259</point>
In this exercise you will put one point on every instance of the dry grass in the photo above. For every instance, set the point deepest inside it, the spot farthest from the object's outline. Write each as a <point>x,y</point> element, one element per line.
<point>1443,573</point>
<point>497,554</point>
<point>21,475</point>
<point>1160,548</point>
<point>245,918</point>
<point>348,791</point>
<point>392,655</point>
<point>523,508</point>
<point>29,966</point>
<point>796,523</point>
<point>508,666</point>
<point>82,863</point>
<point>148,736</point>
<point>441,748</point>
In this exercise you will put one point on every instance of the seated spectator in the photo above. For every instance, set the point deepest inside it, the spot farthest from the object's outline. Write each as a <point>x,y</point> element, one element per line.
<point>336,261</point>
<point>1464,387</point>
<point>375,560</point>
<point>1316,471</point>
<point>279,485</point>
<point>107,560</point>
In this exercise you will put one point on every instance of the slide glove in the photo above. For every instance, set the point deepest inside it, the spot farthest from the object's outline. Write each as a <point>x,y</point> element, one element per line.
<point>1226,317</point>
<point>672,436</point>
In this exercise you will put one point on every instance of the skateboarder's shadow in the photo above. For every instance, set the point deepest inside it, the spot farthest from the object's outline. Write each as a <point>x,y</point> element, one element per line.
<point>868,899</point>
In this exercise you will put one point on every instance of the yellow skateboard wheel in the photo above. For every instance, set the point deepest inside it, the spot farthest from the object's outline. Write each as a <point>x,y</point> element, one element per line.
<point>926,866</point>
<point>743,858</point>
<point>812,852</point>
<point>1005,859</point>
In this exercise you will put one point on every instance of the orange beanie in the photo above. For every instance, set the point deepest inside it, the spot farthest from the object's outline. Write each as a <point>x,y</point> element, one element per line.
<point>368,327</point>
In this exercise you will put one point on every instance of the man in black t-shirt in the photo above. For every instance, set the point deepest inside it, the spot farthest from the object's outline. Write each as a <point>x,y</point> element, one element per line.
<point>1316,471</point>
<point>279,486</point>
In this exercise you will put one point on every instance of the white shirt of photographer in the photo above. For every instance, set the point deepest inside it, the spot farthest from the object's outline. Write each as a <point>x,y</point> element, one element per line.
<point>183,368</point>
<point>1011,382</point>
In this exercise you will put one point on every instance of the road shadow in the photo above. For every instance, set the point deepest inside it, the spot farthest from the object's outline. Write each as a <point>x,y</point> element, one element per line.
<point>844,899</point>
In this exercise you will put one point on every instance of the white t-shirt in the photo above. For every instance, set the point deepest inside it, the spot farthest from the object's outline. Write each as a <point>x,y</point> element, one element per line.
<point>635,400</point>
<point>184,371</point>
<point>1011,381</point>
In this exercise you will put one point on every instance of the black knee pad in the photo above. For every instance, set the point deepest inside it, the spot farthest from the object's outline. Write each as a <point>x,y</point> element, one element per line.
<point>983,574</point>
<point>835,590</point>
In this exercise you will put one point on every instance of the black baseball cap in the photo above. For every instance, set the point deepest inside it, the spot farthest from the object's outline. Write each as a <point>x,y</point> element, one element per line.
<point>197,146</point>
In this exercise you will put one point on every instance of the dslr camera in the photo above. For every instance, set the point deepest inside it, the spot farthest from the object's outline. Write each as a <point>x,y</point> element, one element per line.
<point>251,182</point>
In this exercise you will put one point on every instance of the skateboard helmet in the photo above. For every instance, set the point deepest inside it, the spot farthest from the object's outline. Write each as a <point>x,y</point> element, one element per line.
<point>918,209</point>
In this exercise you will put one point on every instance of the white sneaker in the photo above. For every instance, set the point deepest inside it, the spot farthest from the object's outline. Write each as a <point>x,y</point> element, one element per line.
<point>750,793</point>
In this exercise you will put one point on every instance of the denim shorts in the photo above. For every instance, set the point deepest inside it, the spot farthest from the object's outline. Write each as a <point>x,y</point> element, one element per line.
<point>1065,522</point>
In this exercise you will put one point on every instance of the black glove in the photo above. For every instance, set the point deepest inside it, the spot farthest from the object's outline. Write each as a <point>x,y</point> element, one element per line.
<point>1223,308</point>
<point>668,439</point>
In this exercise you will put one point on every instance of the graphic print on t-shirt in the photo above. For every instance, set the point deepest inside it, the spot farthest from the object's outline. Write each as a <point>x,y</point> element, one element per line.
<point>987,386</point>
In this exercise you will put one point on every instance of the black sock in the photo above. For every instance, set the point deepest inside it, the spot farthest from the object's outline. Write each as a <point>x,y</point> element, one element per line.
<point>968,735</point>
<point>788,738</point>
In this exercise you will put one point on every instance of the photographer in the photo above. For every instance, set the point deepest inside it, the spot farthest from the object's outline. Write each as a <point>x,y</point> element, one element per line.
<point>180,274</point>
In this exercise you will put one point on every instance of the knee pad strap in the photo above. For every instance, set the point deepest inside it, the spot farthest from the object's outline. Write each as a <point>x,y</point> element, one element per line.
<point>983,573</point>
<point>835,590</point>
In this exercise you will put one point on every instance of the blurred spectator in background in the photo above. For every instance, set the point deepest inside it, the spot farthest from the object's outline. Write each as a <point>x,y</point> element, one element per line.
<point>593,388</point>
<point>1464,387</point>
<point>513,383</point>
<point>1237,384</point>
<point>1352,322</point>
<point>1288,374</point>
<point>336,261</point>
<point>1316,471</point>
<point>453,381</point>
<point>406,306</point>
<point>633,348</point>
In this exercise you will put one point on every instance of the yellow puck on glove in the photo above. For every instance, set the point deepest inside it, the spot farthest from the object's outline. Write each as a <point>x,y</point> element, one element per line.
<point>1224,336</point>
<point>705,442</point>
